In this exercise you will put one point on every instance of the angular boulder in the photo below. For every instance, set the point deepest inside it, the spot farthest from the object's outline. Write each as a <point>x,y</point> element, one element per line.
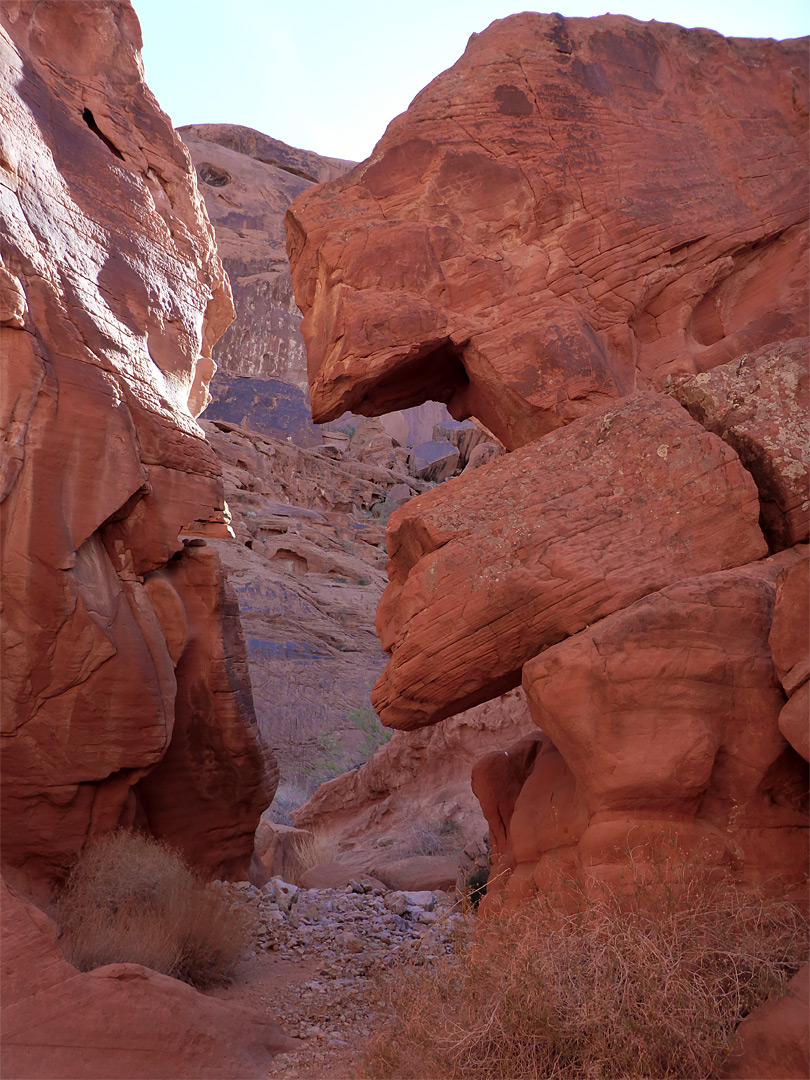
<point>492,567</point>
<point>433,461</point>
<point>789,642</point>
<point>518,246</point>
<point>759,405</point>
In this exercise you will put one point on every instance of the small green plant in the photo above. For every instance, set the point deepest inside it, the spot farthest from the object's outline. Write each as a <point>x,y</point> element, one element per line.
<point>363,581</point>
<point>365,719</point>
<point>131,899</point>
<point>331,760</point>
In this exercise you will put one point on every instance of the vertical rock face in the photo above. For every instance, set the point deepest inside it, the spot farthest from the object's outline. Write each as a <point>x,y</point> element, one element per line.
<point>578,208</point>
<point>582,211</point>
<point>248,181</point>
<point>116,638</point>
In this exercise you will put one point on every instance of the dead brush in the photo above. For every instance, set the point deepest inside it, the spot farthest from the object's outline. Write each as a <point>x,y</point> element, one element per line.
<point>131,899</point>
<point>308,851</point>
<point>651,985</point>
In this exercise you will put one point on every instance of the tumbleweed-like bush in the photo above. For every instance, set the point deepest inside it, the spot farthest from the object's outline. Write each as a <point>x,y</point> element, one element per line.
<point>648,984</point>
<point>131,899</point>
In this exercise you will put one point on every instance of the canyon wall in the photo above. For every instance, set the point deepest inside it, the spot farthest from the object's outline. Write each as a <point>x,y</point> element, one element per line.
<point>591,236</point>
<point>126,697</point>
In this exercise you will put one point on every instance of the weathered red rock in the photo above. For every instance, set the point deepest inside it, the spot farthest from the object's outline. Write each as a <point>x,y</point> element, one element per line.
<point>518,244</point>
<point>759,405</point>
<point>248,180</point>
<point>790,647</point>
<point>660,727</point>
<point>113,297</point>
<point>119,1022</point>
<point>773,1042</point>
<point>496,565</point>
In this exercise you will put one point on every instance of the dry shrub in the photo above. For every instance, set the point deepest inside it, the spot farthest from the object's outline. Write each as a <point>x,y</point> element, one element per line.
<point>309,851</point>
<point>652,985</point>
<point>131,899</point>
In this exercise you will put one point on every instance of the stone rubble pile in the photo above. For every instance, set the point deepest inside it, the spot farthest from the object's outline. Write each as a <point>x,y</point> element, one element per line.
<point>353,935</point>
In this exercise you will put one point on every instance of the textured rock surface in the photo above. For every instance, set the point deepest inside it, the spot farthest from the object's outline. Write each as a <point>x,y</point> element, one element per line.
<point>307,569</point>
<point>58,1022</point>
<point>248,180</point>
<point>790,647</point>
<point>773,1042</point>
<point>518,244</point>
<point>112,298</point>
<point>760,405</point>
<point>663,718</point>
<point>264,405</point>
<point>494,566</point>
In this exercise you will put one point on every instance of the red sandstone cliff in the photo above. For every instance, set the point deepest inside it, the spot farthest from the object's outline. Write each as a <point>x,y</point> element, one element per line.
<point>577,216</point>
<point>126,698</point>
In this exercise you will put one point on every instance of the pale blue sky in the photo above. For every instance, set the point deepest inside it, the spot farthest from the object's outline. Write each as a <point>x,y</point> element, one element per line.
<point>329,76</point>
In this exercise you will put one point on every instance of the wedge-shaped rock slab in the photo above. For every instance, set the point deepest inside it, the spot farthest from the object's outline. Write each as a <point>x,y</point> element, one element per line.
<point>488,570</point>
<point>759,405</point>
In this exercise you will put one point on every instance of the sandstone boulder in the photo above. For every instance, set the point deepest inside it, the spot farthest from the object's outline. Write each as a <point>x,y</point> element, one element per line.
<point>415,790</point>
<point>434,461</point>
<point>418,873</point>
<point>494,566</point>
<point>120,1022</point>
<point>518,246</point>
<point>660,727</point>
<point>759,405</point>
<point>773,1042</point>
<point>790,647</point>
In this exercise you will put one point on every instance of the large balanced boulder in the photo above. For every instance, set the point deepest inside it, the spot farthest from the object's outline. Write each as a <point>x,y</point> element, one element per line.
<point>125,692</point>
<point>520,244</point>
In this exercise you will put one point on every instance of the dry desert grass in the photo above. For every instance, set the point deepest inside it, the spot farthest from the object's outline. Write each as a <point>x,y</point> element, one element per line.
<point>648,985</point>
<point>130,899</point>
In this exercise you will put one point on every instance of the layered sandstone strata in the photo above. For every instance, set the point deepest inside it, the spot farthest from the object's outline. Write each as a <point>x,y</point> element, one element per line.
<point>577,216</point>
<point>125,696</point>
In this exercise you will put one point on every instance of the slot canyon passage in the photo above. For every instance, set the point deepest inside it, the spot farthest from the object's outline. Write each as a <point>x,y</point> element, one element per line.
<point>529,484</point>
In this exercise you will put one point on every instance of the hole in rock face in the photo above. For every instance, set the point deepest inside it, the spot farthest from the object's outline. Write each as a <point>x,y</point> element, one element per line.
<point>432,374</point>
<point>90,120</point>
<point>291,563</point>
<point>213,176</point>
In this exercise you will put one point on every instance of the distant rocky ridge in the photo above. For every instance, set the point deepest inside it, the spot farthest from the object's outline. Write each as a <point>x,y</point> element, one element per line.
<point>248,180</point>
